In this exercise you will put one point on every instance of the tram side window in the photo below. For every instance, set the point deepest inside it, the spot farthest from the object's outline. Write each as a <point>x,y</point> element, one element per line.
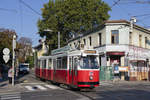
<point>54,63</point>
<point>49,63</point>
<point>70,62</point>
<point>59,63</point>
<point>64,62</point>
<point>75,63</point>
<point>38,65</point>
<point>43,63</point>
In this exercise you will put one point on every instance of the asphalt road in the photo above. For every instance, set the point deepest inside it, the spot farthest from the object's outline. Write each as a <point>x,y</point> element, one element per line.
<point>33,89</point>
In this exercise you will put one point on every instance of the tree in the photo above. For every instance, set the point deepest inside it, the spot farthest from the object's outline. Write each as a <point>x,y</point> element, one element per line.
<point>24,49</point>
<point>70,17</point>
<point>30,60</point>
<point>6,37</point>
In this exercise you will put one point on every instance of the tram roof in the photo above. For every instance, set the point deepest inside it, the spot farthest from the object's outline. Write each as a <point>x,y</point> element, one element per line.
<point>68,51</point>
<point>45,57</point>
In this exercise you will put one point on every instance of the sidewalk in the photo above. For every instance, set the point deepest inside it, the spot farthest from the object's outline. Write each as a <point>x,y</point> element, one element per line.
<point>121,82</point>
<point>5,87</point>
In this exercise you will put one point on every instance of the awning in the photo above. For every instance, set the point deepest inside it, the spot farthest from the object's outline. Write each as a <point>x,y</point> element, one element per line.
<point>116,53</point>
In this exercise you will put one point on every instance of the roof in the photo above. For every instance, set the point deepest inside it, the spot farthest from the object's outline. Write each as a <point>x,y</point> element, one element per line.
<point>38,47</point>
<point>117,21</point>
<point>111,22</point>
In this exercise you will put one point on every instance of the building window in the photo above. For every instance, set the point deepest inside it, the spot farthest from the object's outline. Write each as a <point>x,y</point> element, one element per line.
<point>100,39</point>
<point>140,40</point>
<point>145,42</point>
<point>84,41</point>
<point>130,38</point>
<point>90,40</point>
<point>115,37</point>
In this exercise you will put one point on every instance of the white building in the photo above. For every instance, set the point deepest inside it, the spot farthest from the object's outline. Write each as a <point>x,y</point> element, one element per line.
<point>118,46</point>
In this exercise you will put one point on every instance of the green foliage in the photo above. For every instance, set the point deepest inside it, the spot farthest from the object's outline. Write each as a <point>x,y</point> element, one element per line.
<point>5,42</point>
<point>30,60</point>
<point>70,17</point>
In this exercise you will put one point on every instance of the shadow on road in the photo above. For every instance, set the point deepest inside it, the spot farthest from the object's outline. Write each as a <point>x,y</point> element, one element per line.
<point>131,94</point>
<point>5,78</point>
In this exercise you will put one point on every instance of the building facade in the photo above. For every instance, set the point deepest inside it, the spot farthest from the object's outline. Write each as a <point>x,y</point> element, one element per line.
<point>41,49</point>
<point>128,52</point>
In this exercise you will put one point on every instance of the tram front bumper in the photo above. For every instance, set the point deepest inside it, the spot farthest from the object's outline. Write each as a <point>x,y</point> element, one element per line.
<point>88,84</point>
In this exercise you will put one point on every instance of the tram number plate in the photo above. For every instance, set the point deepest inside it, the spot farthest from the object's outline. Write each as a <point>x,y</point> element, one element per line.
<point>91,73</point>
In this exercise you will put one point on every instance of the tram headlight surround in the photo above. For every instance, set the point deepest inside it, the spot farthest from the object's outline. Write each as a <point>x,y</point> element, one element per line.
<point>91,77</point>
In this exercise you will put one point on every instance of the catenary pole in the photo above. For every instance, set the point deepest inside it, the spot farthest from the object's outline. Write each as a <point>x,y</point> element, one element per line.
<point>13,59</point>
<point>58,39</point>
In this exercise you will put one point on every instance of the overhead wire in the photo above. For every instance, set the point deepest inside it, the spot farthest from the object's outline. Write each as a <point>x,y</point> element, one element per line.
<point>28,6</point>
<point>21,17</point>
<point>9,10</point>
<point>115,3</point>
<point>142,15</point>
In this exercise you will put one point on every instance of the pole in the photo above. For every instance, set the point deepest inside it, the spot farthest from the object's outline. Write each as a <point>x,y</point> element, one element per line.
<point>147,61</point>
<point>132,21</point>
<point>13,59</point>
<point>58,39</point>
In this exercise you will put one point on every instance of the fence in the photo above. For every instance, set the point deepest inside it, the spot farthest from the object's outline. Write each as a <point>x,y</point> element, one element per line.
<point>106,73</point>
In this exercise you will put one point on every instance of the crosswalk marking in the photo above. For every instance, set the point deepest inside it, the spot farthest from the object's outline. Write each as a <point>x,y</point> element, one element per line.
<point>30,88</point>
<point>11,97</point>
<point>51,86</point>
<point>36,87</point>
<point>41,87</point>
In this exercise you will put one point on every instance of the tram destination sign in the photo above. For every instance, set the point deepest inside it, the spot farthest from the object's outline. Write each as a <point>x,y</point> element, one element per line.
<point>90,51</point>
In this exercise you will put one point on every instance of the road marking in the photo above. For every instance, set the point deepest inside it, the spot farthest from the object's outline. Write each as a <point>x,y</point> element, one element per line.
<point>40,87</point>
<point>31,83</point>
<point>51,86</point>
<point>105,84</point>
<point>30,88</point>
<point>11,97</point>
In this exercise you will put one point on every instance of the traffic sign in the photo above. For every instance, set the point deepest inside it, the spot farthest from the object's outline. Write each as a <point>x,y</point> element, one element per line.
<point>6,51</point>
<point>6,58</point>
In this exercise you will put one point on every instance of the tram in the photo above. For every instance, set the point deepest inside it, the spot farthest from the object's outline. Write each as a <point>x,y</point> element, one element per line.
<point>75,68</point>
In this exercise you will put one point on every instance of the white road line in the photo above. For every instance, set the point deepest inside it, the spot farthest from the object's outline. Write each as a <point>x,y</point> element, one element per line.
<point>51,86</point>
<point>30,88</point>
<point>31,83</point>
<point>11,97</point>
<point>105,84</point>
<point>40,87</point>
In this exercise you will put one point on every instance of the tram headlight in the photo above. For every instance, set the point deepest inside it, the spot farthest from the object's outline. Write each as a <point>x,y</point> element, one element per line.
<point>91,77</point>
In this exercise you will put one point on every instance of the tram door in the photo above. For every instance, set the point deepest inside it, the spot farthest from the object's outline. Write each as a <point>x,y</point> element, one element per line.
<point>73,70</point>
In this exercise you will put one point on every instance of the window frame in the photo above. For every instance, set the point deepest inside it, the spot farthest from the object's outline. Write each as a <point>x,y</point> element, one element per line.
<point>116,36</point>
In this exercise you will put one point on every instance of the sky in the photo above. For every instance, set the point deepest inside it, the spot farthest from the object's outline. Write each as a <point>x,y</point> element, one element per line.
<point>16,16</point>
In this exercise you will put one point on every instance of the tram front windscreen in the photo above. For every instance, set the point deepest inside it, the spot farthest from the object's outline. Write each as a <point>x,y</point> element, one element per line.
<point>89,62</point>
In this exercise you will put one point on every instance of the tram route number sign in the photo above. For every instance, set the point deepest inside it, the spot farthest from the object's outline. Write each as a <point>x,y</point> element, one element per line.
<point>6,56</point>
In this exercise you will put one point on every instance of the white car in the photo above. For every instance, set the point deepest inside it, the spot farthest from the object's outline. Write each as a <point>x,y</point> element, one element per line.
<point>24,68</point>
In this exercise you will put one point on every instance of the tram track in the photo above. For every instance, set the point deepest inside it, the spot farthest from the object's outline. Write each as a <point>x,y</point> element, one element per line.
<point>77,92</point>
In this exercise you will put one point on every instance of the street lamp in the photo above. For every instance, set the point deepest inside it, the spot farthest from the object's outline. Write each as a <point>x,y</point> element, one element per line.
<point>49,30</point>
<point>13,59</point>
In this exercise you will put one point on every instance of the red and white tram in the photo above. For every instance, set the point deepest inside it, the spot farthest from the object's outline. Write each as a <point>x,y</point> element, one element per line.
<point>76,68</point>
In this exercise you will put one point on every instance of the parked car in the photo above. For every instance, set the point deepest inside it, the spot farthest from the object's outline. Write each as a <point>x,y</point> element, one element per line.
<point>24,68</point>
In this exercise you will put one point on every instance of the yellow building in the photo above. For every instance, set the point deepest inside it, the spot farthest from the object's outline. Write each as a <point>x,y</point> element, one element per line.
<point>41,49</point>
